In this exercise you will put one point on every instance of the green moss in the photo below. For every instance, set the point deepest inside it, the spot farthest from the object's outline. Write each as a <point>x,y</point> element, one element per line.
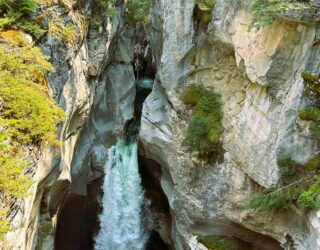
<point>214,242</point>
<point>309,77</point>
<point>316,130</point>
<point>265,12</point>
<point>314,163</point>
<point>63,32</point>
<point>205,128</point>
<point>310,114</point>
<point>204,10</point>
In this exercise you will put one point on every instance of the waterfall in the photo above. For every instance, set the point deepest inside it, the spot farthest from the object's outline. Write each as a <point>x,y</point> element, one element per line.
<point>121,220</point>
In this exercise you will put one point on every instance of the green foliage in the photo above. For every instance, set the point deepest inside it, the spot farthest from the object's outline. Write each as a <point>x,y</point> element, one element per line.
<point>205,128</point>
<point>21,7</point>
<point>108,10</point>
<point>12,180</point>
<point>32,28</point>
<point>4,23</point>
<point>138,11</point>
<point>312,84</point>
<point>206,5</point>
<point>298,184</point>
<point>314,163</point>
<point>214,242</point>
<point>273,198</point>
<point>63,32</point>
<point>204,10</point>
<point>316,130</point>
<point>310,114</point>
<point>264,12</point>
<point>28,116</point>
<point>309,77</point>
<point>310,199</point>
<point>4,225</point>
<point>19,12</point>
<point>288,169</point>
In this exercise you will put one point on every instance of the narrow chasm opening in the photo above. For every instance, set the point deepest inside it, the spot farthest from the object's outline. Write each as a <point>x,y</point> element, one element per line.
<point>125,209</point>
<point>151,173</point>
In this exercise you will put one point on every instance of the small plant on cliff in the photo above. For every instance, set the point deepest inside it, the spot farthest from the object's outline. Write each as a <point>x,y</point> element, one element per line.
<point>4,225</point>
<point>264,12</point>
<point>312,114</point>
<point>19,13</point>
<point>137,11</point>
<point>205,128</point>
<point>298,184</point>
<point>63,32</point>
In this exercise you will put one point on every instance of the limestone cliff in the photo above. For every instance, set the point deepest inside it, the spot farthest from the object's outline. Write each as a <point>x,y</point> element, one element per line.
<point>260,119</point>
<point>258,75</point>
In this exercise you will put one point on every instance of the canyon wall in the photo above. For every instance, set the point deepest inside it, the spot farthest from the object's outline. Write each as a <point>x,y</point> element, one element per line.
<point>257,74</point>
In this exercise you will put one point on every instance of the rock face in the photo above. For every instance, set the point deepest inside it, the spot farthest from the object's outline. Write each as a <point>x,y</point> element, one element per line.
<point>95,84</point>
<point>257,74</point>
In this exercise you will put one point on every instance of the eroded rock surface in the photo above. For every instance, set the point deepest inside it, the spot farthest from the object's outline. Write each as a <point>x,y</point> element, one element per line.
<point>258,75</point>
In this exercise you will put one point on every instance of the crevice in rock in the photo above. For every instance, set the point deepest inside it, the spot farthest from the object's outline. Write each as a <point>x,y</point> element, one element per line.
<point>160,237</point>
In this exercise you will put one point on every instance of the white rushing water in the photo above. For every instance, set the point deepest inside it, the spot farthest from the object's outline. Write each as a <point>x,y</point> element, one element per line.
<point>121,220</point>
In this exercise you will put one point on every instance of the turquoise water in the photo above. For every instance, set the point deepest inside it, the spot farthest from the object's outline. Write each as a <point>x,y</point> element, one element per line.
<point>146,83</point>
<point>121,219</point>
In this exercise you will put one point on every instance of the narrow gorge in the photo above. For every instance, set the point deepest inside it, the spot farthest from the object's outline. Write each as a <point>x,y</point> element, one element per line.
<point>187,125</point>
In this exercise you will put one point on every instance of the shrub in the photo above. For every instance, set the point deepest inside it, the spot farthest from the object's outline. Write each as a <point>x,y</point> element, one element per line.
<point>137,11</point>
<point>298,184</point>
<point>18,12</point>
<point>108,11</point>
<point>205,128</point>
<point>310,114</point>
<point>310,199</point>
<point>28,116</point>
<point>60,31</point>
<point>4,23</point>
<point>287,168</point>
<point>32,28</point>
